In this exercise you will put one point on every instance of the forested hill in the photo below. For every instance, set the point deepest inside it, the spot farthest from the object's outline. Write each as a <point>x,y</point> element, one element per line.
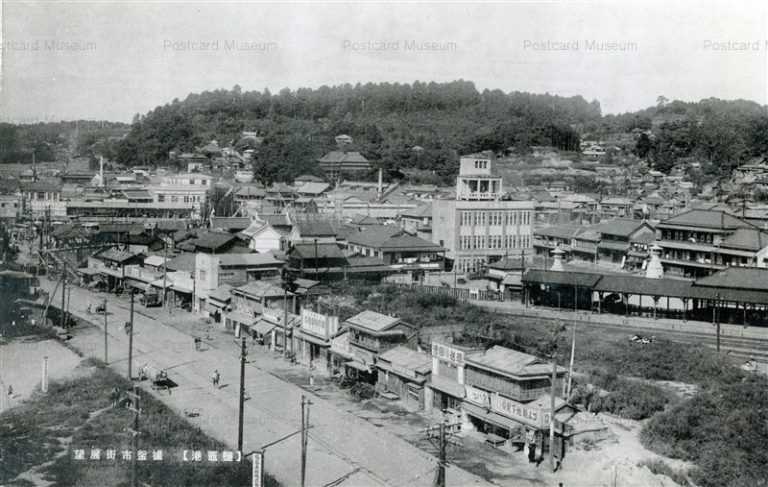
<point>386,121</point>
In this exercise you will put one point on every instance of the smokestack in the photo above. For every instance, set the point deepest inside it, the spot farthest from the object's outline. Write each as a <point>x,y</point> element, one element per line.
<point>380,191</point>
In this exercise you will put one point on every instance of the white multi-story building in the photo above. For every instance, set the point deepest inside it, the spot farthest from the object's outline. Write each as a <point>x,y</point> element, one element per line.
<point>479,227</point>
<point>190,188</point>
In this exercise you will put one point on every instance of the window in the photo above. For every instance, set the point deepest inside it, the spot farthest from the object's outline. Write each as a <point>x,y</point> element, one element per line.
<point>161,198</point>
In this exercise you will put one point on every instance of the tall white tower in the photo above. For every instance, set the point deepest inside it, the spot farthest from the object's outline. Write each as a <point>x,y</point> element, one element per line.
<point>476,180</point>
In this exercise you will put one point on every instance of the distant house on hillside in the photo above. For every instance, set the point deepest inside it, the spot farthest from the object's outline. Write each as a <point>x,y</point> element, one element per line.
<point>336,162</point>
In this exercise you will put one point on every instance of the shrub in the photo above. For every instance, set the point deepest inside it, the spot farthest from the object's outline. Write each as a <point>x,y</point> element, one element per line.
<point>659,467</point>
<point>722,429</point>
<point>627,398</point>
<point>362,391</point>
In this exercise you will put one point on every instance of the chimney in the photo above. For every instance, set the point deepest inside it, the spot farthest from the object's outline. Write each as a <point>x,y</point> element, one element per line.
<point>101,171</point>
<point>380,191</point>
<point>557,256</point>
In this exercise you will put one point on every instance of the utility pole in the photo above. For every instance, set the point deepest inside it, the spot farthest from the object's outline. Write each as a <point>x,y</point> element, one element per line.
<point>552,415</point>
<point>443,458</point>
<point>305,403</point>
<point>69,302</point>
<point>136,408</point>
<point>106,355</point>
<point>165,271</point>
<point>130,339</point>
<point>570,367</point>
<point>64,300</point>
<point>242,394</point>
<point>285,322</point>
<point>716,319</point>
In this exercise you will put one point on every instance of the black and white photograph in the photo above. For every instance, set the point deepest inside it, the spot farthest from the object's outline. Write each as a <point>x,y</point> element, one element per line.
<point>250,243</point>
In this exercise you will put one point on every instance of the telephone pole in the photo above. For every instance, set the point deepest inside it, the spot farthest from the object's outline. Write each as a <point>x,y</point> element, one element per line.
<point>136,408</point>
<point>552,415</point>
<point>64,299</point>
<point>305,403</point>
<point>130,340</point>
<point>242,394</point>
<point>106,355</point>
<point>440,481</point>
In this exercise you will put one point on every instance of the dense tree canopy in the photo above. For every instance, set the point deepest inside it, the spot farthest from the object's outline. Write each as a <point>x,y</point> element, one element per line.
<point>386,121</point>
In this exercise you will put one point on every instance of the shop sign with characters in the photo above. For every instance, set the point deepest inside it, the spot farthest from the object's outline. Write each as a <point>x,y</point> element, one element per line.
<point>449,354</point>
<point>516,410</point>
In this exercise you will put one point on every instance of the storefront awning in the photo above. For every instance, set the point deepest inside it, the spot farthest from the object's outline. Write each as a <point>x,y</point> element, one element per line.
<point>452,388</point>
<point>308,337</point>
<point>88,271</point>
<point>402,373</point>
<point>242,318</point>
<point>181,289</point>
<point>356,364</point>
<point>141,286</point>
<point>493,418</point>
<point>262,327</point>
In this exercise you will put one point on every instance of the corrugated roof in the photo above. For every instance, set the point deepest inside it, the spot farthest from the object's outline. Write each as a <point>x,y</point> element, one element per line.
<point>315,228</point>
<point>321,251</point>
<point>221,293</point>
<point>154,260</point>
<point>230,223</point>
<point>213,240</point>
<point>183,262</point>
<point>737,277</point>
<point>619,283</point>
<point>373,321</point>
<point>713,219</point>
<point>339,157</point>
<point>510,362</point>
<point>746,239</point>
<point>260,289</point>
<point>408,359</point>
<point>622,227</point>
<point>422,211</point>
<point>562,277</point>
<point>373,235</point>
<point>313,188</point>
<point>117,255</point>
<point>559,231</point>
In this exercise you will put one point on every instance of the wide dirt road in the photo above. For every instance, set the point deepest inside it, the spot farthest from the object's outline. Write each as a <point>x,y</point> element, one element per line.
<point>340,444</point>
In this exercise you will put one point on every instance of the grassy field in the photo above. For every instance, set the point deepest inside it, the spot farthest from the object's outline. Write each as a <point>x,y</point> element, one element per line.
<point>78,414</point>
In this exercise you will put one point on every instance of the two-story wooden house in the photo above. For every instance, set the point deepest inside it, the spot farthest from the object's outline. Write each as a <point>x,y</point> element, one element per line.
<point>371,334</point>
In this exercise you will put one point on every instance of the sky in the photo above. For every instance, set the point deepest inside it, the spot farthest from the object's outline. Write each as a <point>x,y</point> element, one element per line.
<point>102,60</point>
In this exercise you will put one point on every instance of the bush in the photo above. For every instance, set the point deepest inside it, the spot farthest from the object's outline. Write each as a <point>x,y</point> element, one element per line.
<point>723,429</point>
<point>659,467</point>
<point>362,391</point>
<point>627,398</point>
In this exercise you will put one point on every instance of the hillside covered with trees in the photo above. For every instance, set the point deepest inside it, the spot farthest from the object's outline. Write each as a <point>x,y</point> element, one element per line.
<point>386,121</point>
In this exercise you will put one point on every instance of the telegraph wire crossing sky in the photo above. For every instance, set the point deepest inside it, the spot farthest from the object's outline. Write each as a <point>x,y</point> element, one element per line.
<point>106,60</point>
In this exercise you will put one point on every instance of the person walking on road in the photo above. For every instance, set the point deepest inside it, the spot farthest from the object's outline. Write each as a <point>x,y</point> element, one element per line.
<point>215,378</point>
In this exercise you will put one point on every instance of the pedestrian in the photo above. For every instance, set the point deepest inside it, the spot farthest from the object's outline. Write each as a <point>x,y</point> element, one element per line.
<point>10,390</point>
<point>215,377</point>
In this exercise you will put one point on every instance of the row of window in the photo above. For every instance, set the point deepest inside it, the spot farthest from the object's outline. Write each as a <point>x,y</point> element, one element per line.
<point>469,217</point>
<point>467,242</point>
<point>470,264</point>
<point>161,198</point>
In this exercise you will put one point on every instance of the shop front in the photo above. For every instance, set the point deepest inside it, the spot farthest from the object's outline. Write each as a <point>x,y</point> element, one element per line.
<point>403,373</point>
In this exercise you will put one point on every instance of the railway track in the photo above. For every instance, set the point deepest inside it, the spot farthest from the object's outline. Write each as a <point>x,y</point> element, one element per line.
<point>740,348</point>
